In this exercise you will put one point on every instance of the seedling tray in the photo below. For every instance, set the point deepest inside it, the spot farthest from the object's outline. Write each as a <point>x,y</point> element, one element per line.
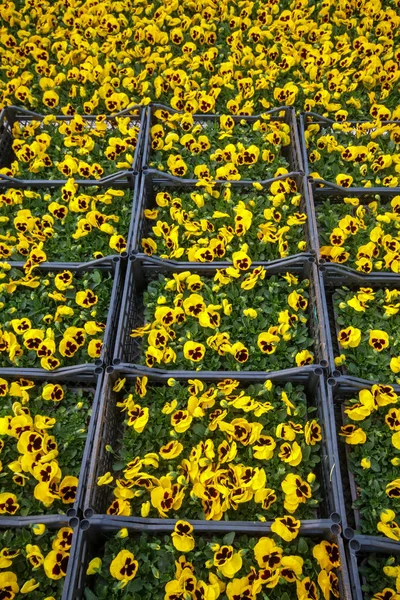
<point>141,273</point>
<point>14,114</point>
<point>151,184</point>
<point>292,152</point>
<point>110,429</point>
<point>98,530</point>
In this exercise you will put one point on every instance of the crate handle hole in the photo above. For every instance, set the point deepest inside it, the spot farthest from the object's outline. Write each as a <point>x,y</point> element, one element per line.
<point>336,529</point>
<point>85,524</point>
<point>354,545</point>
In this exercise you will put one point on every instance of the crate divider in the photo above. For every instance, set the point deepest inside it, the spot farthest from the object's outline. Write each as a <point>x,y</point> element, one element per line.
<point>162,178</point>
<point>346,480</point>
<point>352,385</point>
<point>323,189</point>
<point>308,375</point>
<point>51,521</point>
<point>120,179</point>
<point>150,261</point>
<point>337,273</point>
<point>139,525</point>
<point>98,263</point>
<point>74,373</point>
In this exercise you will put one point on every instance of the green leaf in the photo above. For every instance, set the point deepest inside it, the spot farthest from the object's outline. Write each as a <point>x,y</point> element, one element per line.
<point>306,453</point>
<point>228,538</point>
<point>199,429</point>
<point>155,572</point>
<point>135,586</point>
<point>89,595</point>
<point>302,546</point>
<point>96,277</point>
<point>118,466</point>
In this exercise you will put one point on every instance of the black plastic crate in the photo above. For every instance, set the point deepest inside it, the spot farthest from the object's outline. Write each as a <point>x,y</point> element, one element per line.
<point>110,428</point>
<point>359,550</point>
<point>13,114</point>
<point>321,187</point>
<point>150,185</point>
<point>53,522</point>
<point>90,381</point>
<point>98,530</point>
<point>292,152</point>
<point>114,265</point>
<point>141,273</point>
<point>336,397</point>
<point>125,180</point>
<point>339,390</point>
<point>331,279</point>
<point>335,194</point>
